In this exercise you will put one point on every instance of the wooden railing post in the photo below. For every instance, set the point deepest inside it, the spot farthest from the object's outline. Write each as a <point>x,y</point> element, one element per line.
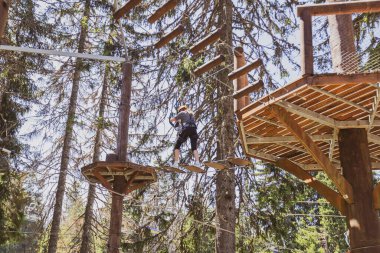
<point>4,7</point>
<point>306,44</point>
<point>242,81</point>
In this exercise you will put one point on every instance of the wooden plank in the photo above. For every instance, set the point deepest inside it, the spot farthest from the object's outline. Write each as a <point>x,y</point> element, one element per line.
<point>209,65</point>
<point>376,196</point>
<point>335,79</point>
<point>332,95</point>
<point>248,89</point>
<point>245,69</point>
<point>340,8</point>
<point>216,165</point>
<point>126,8</point>
<point>239,161</point>
<point>275,96</point>
<point>306,29</point>
<point>193,168</point>
<point>170,36</point>
<point>306,113</point>
<point>4,9</point>
<point>102,180</point>
<point>243,137</point>
<point>162,11</point>
<point>211,38</point>
<point>341,183</point>
<point>332,196</point>
<point>281,139</point>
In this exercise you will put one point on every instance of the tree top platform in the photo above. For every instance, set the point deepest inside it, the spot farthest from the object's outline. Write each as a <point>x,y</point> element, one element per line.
<point>136,176</point>
<point>300,121</point>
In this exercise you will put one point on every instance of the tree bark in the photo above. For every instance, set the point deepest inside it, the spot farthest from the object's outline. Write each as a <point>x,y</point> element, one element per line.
<point>88,215</point>
<point>362,219</point>
<point>225,180</point>
<point>122,155</point>
<point>54,232</point>
<point>4,8</point>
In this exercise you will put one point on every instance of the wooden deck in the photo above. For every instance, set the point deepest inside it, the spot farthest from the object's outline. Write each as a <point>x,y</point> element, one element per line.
<point>318,107</point>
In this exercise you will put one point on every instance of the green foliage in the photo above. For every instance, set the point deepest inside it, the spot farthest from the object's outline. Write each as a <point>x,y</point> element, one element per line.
<point>13,199</point>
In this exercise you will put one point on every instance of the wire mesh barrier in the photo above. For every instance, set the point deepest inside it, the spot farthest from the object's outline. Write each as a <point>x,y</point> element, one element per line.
<point>350,57</point>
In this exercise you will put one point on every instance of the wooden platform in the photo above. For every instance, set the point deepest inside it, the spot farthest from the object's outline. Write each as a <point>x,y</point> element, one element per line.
<point>136,176</point>
<point>274,127</point>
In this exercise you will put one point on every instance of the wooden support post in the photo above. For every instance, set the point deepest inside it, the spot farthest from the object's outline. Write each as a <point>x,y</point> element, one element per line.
<point>214,36</point>
<point>126,8</point>
<point>162,10</point>
<point>247,90</point>
<point>168,37</point>
<point>209,65</point>
<point>122,148</point>
<point>332,172</point>
<point>376,196</point>
<point>116,214</point>
<point>362,218</point>
<point>4,8</point>
<point>306,29</point>
<point>241,82</point>
<point>332,196</point>
<point>244,69</point>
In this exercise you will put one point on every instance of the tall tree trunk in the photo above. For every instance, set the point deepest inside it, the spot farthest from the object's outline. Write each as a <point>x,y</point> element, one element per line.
<point>4,8</point>
<point>88,215</point>
<point>342,42</point>
<point>225,180</point>
<point>362,219</point>
<point>54,232</point>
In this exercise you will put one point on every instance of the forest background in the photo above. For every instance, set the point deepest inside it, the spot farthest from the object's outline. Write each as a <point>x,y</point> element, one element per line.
<point>58,114</point>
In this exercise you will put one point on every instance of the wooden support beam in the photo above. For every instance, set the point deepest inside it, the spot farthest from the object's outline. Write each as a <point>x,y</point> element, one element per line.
<point>209,65</point>
<point>168,37</point>
<point>126,8</point>
<point>248,89</point>
<point>214,36</point>
<point>137,186</point>
<point>335,79</point>
<point>4,8</point>
<point>306,30</point>
<point>340,8</point>
<point>376,196</point>
<point>130,181</point>
<point>282,139</point>
<point>162,11</point>
<point>332,196</point>
<point>243,136</point>
<point>102,180</point>
<point>245,69</point>
<point>308,114</point>
<point>341,183</point>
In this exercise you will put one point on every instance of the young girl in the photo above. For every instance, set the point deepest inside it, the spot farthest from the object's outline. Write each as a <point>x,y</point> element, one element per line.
<point>186,120</point>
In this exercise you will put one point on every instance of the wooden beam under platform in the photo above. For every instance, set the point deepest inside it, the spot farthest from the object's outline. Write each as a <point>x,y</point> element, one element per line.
<point>245,69</point>
<point>332,196</point>
<point>214,36</point>
<point>248,89</point>
<point>162,11</point>
<point>340,8</point>
<point>170,36</point>
<point>209,65</point>
<point>122,11</point>
<point>332,172</point>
